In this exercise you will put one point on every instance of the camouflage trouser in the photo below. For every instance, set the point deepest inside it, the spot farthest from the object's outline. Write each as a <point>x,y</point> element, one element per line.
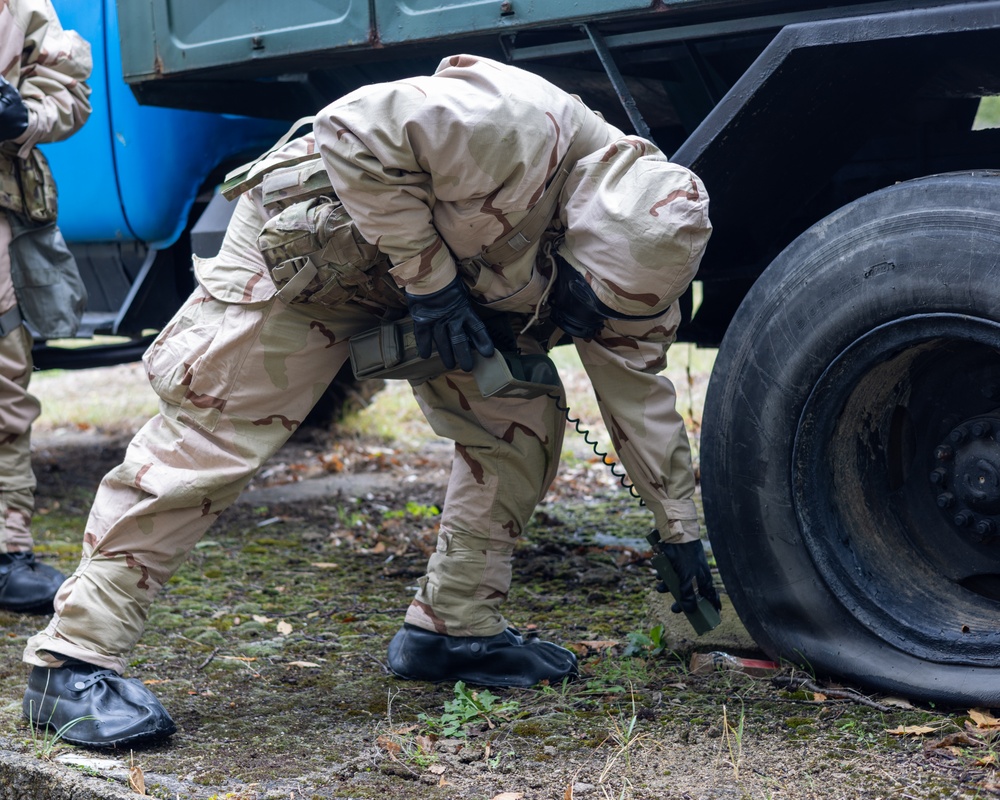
<point>506,456</point>
<point>18,410</point>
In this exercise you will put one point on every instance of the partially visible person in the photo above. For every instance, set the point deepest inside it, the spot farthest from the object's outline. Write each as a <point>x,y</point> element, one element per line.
<point>44,97</point>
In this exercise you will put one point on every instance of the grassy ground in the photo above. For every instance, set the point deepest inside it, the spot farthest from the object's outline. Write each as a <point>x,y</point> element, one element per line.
<point>268,646</point>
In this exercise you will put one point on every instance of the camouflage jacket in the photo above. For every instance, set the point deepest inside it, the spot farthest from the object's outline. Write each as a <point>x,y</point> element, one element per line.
<point>49,66</point>
<point>437,168</point>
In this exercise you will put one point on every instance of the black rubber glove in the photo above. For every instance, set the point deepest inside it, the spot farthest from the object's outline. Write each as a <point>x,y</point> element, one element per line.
<point>689,562</point>
<point>575,307</point>
<point>13,111</point>
<point>445,318</point>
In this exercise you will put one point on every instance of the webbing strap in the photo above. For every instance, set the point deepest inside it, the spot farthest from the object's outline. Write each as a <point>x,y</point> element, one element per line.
<point>10,321</point>
<point>240,180</point>
<point>300,280</point>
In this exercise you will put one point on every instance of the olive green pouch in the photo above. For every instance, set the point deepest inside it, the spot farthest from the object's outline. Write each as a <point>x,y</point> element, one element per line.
<point>390,352</point>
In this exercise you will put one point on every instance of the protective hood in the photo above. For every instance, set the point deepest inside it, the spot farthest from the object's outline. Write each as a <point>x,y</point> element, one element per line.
<point>636,226</point>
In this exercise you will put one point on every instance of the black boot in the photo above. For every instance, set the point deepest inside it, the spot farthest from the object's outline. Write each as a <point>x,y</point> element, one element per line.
<point>112,710</point>
<point>502,660</point>
<point>27,584</point>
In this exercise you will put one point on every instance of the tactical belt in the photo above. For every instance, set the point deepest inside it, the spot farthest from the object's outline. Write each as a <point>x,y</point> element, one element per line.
<point>390,352</point>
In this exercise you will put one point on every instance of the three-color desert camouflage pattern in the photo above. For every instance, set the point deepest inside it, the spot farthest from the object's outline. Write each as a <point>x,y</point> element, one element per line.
<point>49,66</point>
<point>432,169</point>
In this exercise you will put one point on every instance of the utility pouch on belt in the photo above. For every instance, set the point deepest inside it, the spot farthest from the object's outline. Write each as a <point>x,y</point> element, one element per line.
<point>27,186</point>
<point>315,254</point>
<point>390,352</point>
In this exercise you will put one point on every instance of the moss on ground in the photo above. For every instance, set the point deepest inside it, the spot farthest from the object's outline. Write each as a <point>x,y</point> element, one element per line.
<point>268,648</point>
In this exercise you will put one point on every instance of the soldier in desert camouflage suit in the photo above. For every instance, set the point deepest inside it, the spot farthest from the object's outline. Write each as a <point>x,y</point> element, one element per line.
<point>432,170</point>
<point>43,98</point>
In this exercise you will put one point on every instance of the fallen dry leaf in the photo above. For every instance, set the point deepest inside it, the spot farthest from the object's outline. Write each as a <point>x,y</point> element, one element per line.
<point>819,697</point>
<point>136,780</point>
<point>592,646</point>
<point>983,719</point>
<point>437,769</point>
<point>896,702</point>
<point>261,619</point>
<point>284,628</point>
<point>954,740</point>
<point>302,664</point>
<point>404,730</point>
<point>912,730</point>
<point>325,565</point>
<point>509,796</point>
<point>388,744</point>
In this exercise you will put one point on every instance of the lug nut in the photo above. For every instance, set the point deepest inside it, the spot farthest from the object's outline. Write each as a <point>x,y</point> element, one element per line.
<point>963,519</point>
<point>945,500</point>
<point>937,477</point>
<point>958,435</point>
<point>944,453</point>
<point>986,527</point>
<point>981,428</point>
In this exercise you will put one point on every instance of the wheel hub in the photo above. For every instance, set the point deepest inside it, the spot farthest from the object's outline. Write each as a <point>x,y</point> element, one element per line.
<point>966,478</point>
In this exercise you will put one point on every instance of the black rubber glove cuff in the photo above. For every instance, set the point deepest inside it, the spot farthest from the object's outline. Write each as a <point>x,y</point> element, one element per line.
<point>689,562</point>
<point>13,111</point>
<point>447,320</point>
<point>575,307</point>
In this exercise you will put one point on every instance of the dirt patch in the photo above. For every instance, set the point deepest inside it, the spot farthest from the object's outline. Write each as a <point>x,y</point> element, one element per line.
<point>268,648</point>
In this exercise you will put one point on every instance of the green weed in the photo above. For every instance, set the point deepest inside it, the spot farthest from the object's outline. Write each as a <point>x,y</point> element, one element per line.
<point>413,510</point>
<point>469,706</point>
<point>733,737</point>
<point>642,644</point>
<point>625,736</point>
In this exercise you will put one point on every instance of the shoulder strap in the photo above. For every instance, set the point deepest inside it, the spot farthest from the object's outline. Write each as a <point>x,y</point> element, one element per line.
<point>243,178</point>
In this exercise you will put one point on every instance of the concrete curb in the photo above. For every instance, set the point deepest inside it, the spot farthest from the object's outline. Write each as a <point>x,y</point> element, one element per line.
<point>27,777</point>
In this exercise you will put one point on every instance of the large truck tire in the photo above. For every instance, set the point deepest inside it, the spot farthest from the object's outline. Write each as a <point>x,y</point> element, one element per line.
<point>850,453</point>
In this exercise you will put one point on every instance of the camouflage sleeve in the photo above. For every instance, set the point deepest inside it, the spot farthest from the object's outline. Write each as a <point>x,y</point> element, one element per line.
<point>55,65</point>
<point>364,144</point>
<point>638,403</point>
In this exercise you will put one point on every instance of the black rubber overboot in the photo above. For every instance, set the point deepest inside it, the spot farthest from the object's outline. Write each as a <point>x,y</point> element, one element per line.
<point>26,584</point>
<point>111,710</point>
<point>502,660</point>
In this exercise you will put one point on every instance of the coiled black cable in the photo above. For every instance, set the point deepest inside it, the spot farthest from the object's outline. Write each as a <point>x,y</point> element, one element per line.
<point>595,446</point>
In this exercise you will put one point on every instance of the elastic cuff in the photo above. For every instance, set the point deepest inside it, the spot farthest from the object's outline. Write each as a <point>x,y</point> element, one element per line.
<point>44,650</point>
<point>425,275</point>
<point>678,531</point>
